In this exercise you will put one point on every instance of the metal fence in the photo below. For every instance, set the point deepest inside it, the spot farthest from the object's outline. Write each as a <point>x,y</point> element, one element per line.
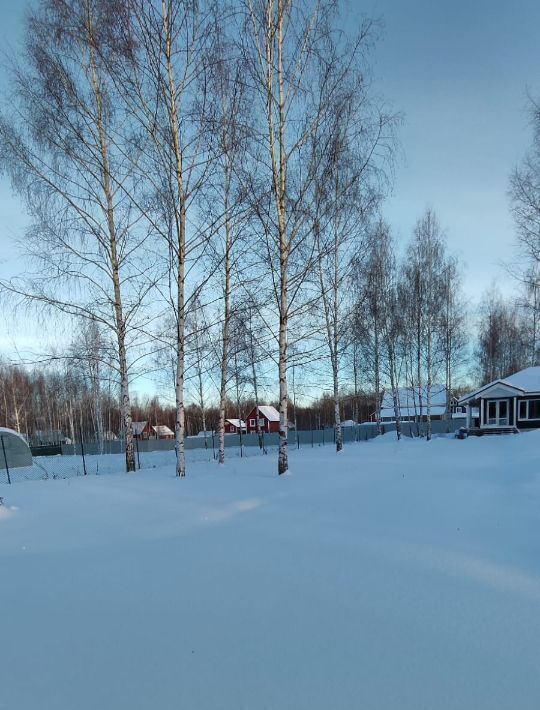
<point>91,459</point>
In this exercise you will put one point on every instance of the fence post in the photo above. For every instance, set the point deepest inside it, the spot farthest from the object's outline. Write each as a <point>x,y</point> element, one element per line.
<point>5,459</point>
<point>138,457</point>
<point>213,447</point>
<point>82,454</point>
<point>312,438</point>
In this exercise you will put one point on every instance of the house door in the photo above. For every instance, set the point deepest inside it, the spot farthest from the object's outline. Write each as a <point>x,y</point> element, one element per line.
<point>497,412</point>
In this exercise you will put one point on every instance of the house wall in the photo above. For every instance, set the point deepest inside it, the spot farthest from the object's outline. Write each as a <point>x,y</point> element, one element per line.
<point>513,420</point>
<point>511,406</point>
<point>146,433</point>
<point>250,428</point>
<point>268,427</point>
<point>526,423</point>
<point>513,414</point>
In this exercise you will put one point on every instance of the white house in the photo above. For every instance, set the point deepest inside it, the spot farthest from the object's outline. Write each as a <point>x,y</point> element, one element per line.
<point>412,402</point>
<point>509,403</point>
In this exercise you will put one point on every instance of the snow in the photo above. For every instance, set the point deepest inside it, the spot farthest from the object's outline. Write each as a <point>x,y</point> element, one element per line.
<point>269,412</point>
<point>237,423</point>
<point>527,379</point>
<point>138,427</point>
<point>162,430</point>
<point>392,576</point>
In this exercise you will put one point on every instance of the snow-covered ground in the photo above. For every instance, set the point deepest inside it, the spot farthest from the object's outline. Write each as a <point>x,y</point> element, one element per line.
<point>390,577</point>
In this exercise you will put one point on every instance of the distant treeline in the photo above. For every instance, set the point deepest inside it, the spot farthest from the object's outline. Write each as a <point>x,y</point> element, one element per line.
<point>52,406</point>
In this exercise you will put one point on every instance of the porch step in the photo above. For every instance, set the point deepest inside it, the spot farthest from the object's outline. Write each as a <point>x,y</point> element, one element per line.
<point>476,431</point>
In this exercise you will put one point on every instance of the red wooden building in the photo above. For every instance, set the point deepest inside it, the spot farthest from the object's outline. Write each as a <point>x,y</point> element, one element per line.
<point>232,426</point>
<point>268,419</point>
<point>144,430</point>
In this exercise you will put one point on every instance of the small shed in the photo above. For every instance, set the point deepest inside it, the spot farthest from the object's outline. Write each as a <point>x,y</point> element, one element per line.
<point>17,451</point>
<point>162,431</point>
<point>235,426</point>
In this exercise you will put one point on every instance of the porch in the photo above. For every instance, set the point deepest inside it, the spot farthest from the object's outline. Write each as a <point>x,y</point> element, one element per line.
<point>478,431</point>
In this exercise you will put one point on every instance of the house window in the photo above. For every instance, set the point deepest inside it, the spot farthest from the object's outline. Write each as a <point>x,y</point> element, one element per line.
<point>252,422</point>
<point>529,409</point>
<point>497,412</point>
<point>534,409</point>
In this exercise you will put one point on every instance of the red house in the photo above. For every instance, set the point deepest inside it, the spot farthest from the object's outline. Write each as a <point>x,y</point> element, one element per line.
<point>268,419</point>
<point>163,432</point>
<point>233,426</point>
<point>142,430</point>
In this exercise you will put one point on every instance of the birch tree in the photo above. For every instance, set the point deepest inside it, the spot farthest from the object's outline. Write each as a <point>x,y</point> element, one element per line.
<point>377,323</point>
<point>229,131</point>
<point>369,312</point>
<point>197,337</point>
<point>425,293</point>
<point>165,91</point>
<point>64,142</point>
<point>525,195</point>
<point>502,335</point>
<point>357,141</point>
<point>290,56</point>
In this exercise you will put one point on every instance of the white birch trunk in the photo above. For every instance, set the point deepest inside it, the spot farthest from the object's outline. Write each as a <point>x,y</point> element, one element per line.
<point>394,388</point>
<point>226,324</point>
<point>377,366</point>
<point>429,382</point>
<point>180,210</point>
<point>115,271</point>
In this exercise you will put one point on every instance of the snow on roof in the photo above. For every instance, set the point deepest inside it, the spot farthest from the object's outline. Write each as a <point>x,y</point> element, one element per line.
<point>527,380</point>
<point>138,427</point>
<point>236,423</point>
<point>163,430</point>
<point>409,398</point>
<point>269,412</point>
<point>435,411</point>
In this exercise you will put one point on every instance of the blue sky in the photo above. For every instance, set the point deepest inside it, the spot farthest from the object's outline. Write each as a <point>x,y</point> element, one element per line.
<point>459,73</point>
